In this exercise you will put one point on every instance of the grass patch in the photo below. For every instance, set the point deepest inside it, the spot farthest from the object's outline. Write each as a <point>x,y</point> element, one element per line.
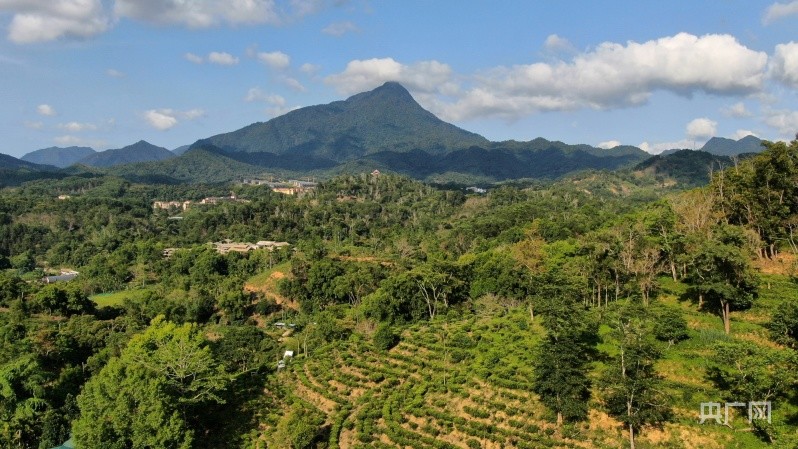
<point>117,298</point>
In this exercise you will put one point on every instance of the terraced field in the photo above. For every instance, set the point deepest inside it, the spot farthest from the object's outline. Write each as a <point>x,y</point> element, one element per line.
<point>465,383</point>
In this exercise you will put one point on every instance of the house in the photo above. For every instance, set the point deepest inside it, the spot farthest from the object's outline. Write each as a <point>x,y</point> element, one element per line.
<point>65,276</point>
<point>375,173</point>
<point>271,245</point>
<point>288,354</point>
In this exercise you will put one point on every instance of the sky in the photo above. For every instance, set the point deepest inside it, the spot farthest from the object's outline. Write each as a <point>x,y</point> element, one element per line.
<point>648,73</point>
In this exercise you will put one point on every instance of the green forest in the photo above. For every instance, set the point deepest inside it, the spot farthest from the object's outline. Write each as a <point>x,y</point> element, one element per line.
<point>606,309</point>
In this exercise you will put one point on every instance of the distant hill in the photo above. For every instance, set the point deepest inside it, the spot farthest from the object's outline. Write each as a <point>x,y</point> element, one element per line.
<point>721,146</point>
<point>688,168</point>
<point>140,151</point>
<point>201,164</point>
<point>181,149</point>
<point>387,129</point>
<point>58,156</point>
<point>11,163</point>
<point>15,171</point>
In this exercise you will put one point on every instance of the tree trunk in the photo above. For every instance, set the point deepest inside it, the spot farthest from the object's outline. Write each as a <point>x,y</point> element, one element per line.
<point>726,319</point>
<point>631,437</point>
<point>559,419</point>
<point>673,271</point>
<point>700,300</point>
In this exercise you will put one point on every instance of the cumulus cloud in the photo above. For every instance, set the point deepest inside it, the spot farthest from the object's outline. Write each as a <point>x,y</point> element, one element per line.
<point>701,128</point>
<point>309,69</point>
<point>423,77</point>
<point>256,94</point>
<point>778,11</point>
<point>785,122</point>
<point>740,133</point>
<point>222,58</point>
<point>276,60</point>
<point>77,127</point>
<point>659,147</point>
<point>557,44</point>
<point>784,64</point>
<point>293,84</point>
<point>45,20</point>
<point>164,119</point>
<point>737,110</point>
<point>338,29</point>
<point>615,75</point>
<point>607,77</point>
<point>70,140</point>
<point>200,14</point>
<point>609,144</point>
<point>196,59</point>
<point>45,110</point>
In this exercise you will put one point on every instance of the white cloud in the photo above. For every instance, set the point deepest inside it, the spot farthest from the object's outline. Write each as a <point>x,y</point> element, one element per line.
<point>309,69</point>
<point>610,76</point>
<point>701,128</point>
<point>164,119</point>
<point>657,148</point>
<point>423,77</point>
<point>45,110</point>
<point>77,127</point>
<point>293,84</point>
<point>113,73</point>
<point>69,140</point>
<point>785,122</point>
<point>784,64</point>
<point>338,29</point>
<point>222,58</point>
<point>256,94</point>
<point>276,59</point>
<point>191,57</point>
<point>737,110</point>
<point>46,20</point>
<point>609,144</point>
<point>557,44</point>
<point>740,133</point>
<point>200,14</point>
<point>778,11</point>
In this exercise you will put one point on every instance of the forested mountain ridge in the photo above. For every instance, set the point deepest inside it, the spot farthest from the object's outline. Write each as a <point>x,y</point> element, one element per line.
<point>140,151</point>
<point>57,156</point>
<point>388,129</point>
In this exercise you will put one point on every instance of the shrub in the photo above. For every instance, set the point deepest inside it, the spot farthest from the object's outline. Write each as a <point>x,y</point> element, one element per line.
<point>385,338</point>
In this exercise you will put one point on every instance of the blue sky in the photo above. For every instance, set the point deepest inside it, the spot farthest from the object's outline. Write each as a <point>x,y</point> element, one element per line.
<point>107,73</point>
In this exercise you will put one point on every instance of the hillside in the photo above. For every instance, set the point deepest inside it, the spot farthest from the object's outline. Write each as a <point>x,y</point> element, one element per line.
<point>140,151</point>
<point>687,168</point>
<point>57,156</point>
<point>201,164</point>
<point>384,119</point>
<point>721,146</point>
<point>387,129</point>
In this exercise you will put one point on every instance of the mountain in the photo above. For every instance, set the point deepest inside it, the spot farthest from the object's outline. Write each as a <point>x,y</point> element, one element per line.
<point>140,151</point>
<point>57,156</point>
<point>181,149</point>
<point>387,129</point>
<point>11,163</point>
<point>15,171</point>
<point>687,168</point>
<point>384,119</point>
<point>721,146</point>
<point>202,164</point>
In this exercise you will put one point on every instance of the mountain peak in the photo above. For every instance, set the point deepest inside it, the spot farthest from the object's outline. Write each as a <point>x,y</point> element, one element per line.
<point>390,91</point>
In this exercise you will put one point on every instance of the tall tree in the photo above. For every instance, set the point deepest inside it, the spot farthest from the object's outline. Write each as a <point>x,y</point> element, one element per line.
<point>631,386</point>
<point>561,374</point>
<point>720,276</point>
<point>152,394</point>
